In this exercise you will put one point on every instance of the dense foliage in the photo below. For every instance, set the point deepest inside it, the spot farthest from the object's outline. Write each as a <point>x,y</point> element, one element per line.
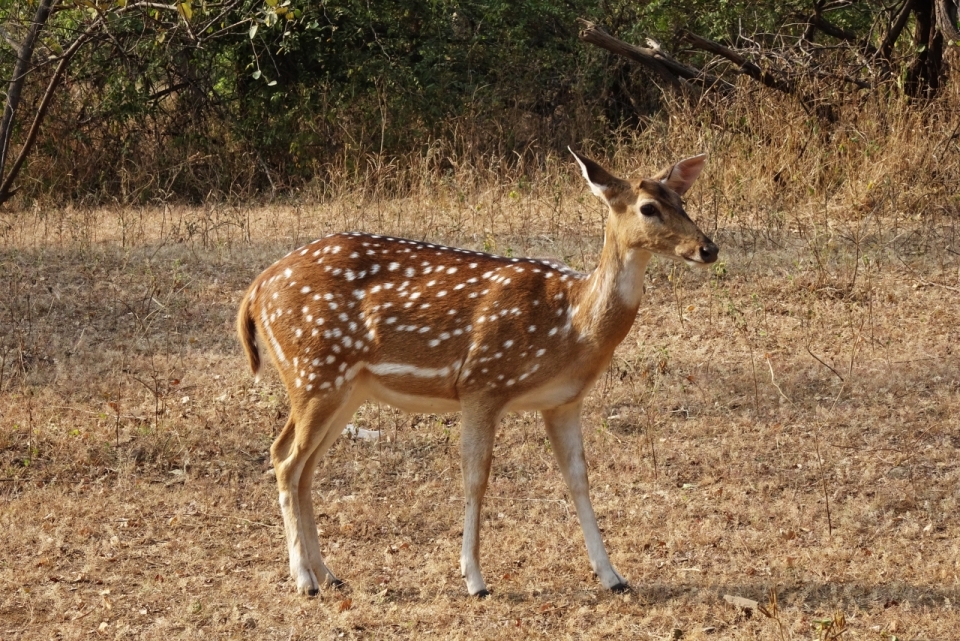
<point>214,100</point>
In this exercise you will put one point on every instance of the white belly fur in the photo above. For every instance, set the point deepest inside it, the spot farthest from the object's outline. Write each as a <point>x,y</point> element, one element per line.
<point>407,402</point>
<point>552,394</point>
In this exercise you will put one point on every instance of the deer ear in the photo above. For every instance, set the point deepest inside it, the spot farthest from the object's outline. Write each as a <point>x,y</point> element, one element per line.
<point>680,176</point>
<point>602,183</point>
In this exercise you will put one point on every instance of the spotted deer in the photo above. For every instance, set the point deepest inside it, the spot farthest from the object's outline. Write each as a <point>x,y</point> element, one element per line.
<point>427,328</point>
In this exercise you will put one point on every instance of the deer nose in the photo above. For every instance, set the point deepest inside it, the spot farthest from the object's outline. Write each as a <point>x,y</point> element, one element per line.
<point>709,252</point>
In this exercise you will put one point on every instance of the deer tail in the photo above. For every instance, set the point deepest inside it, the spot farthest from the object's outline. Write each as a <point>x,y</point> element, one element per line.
<point>247,331</point>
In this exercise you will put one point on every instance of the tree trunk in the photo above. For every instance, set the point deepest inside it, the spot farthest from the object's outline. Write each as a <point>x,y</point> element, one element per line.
<point>20,71</point>
<point>925,75</point>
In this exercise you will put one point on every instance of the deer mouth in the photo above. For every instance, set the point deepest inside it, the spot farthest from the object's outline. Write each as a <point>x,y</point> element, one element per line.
<point>702,255</point>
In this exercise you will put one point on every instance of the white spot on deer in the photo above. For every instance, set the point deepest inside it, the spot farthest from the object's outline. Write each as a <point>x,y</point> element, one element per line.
<point>433,342</point>
<point>508,344</point>
<point>532,329</point>
<point>442,292</point>
<point>288,272</point>
<point>393,267</point>
<point>424,329</point>
<point>409,272</point>
<point>541,352</point>
<point>359,294</point>
<point>553,331</point>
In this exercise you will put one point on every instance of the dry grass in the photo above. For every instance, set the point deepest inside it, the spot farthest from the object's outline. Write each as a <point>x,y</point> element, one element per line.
<point>785,421</point>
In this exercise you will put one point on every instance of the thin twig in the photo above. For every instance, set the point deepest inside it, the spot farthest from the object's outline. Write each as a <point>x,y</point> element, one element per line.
<point>823,480</point>
<point>817,358</point>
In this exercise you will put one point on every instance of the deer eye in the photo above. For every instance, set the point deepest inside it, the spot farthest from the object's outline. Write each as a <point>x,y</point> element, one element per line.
<point>649,209</point>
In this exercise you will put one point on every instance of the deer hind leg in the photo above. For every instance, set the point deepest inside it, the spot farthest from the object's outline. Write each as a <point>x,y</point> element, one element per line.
<point>309,523</point>
<point>563,430</point>
<point>476,453</point>
<point>307,436</point>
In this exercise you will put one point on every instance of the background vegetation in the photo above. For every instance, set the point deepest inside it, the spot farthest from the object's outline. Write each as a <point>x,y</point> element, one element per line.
<point>208,101</point>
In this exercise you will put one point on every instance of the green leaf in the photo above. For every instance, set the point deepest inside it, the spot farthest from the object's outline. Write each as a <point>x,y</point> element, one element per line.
<point>256,74</point>
<point>253,30</point>
<point>270,19</point>
<point>271,83</point>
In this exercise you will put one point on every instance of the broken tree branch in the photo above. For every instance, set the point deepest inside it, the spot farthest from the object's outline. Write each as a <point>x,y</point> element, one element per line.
<point>747,67</point>
<point>674,73</point>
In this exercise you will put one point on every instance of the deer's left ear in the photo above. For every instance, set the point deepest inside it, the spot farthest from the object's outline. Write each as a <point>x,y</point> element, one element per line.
<point>602,182</point>
<point>680,176</point>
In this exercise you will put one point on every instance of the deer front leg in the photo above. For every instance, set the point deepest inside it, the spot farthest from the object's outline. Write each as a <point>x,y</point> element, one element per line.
<point>476,453</point>
<point>563,430</point>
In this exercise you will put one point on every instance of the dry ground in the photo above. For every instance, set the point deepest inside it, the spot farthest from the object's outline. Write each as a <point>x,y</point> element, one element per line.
<point>785,421</point>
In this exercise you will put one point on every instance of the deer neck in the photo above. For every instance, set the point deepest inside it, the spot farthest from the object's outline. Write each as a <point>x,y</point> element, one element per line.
<point>611,295</point>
